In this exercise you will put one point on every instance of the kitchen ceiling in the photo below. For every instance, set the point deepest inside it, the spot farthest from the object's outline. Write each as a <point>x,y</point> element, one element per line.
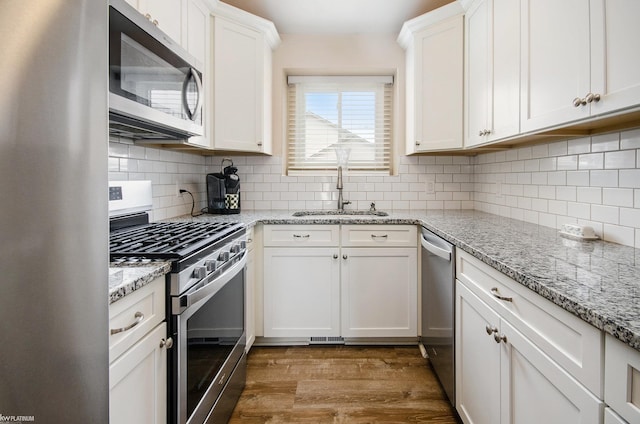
<point>337,16</point>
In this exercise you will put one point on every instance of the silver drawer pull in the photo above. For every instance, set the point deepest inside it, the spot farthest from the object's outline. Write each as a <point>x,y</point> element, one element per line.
<point>168,343</point>
<point>497,295</point>
<point>499,338</point>
<point>139,318</point>
<point>306,236</point>
<point>490,329</point>
<point>375,236</point>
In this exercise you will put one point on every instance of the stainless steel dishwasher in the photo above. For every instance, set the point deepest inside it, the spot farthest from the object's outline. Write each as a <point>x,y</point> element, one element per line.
<point>438,284</point>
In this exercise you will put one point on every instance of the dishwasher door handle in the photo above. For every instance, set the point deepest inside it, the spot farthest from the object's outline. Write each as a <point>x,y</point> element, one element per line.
<point>438,251</point>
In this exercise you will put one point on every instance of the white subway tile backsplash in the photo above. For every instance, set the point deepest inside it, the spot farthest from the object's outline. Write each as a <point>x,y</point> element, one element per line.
<point>589,195</point>
<point>630,178</point>
<point>607,178</point>
<point>605,142</point>
<point>591,161</point>
<point>617,197</point>
<point>579,145</point>
<point>620,159</point>
<point>630,217</point>
<point>618,234</point>
<point>630,139</point>
<point>608,214</point>
<point>567,163</point>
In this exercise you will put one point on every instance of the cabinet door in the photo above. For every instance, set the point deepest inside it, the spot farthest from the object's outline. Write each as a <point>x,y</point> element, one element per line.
<point>166,14</point>
<point>238,87</point>
<point>536,390</point>
<point>138,382</point>
<point>477,359</point>
<point>477,100</point>
<point>556,65</point>
<point>438,85</point>
<point>615,54</point>
<point>301,292</point>
<point>379,292</point>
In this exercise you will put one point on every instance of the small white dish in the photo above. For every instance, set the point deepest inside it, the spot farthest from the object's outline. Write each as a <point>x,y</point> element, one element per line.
<point>577,236</point>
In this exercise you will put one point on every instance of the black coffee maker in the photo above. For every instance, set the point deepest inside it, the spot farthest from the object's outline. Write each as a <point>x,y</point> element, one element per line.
<point>223,190</point>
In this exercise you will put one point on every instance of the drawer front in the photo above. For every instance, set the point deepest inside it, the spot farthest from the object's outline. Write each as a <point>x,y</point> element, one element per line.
<point>301,235</point>
<point>622,379</point>
<point>140,312</point>
<point>573,343</point>
<point>379,235</point>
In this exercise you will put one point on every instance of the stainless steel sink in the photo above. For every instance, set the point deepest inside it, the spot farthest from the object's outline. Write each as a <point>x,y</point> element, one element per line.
<point>340,213</point>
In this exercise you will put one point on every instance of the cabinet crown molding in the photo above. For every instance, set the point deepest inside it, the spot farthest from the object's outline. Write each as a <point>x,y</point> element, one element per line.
<point>423,21</point>
<point>242,17</point>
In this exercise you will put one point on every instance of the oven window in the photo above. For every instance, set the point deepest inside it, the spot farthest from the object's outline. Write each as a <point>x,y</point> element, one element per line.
<point>212,332</point>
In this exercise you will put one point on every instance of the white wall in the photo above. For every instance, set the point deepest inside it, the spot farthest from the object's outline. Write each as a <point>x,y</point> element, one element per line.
<point>373,54</point>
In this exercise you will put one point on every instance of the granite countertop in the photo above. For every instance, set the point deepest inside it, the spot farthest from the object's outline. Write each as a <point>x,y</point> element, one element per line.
<point>597,281</point>
<point>126,278</point>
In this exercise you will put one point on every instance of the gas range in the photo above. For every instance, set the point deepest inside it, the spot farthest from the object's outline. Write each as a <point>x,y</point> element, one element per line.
<point>194,249</point>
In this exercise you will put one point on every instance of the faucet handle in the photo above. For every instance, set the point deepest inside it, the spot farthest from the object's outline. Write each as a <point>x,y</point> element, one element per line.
<point>373,207</point>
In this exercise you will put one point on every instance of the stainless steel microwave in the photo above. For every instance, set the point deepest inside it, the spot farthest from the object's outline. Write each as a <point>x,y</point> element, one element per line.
<point>155,86</point>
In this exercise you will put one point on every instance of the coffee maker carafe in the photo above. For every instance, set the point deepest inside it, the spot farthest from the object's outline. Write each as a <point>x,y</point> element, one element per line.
<point>223,190</point>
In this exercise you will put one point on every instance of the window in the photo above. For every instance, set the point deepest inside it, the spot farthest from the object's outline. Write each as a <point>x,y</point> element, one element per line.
<point>349,113</point>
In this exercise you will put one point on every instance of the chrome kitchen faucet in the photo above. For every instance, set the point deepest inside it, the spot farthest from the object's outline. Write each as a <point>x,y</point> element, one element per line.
<point>339,186</point>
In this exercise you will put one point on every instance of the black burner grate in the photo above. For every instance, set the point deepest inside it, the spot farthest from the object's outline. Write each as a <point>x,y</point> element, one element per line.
<point>168,240</point>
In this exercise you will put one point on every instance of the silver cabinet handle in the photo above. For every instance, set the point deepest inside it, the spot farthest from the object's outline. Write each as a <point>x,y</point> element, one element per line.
<point>259,143</point>
<point>155,22</point>
<point>166,343</point>
<point>577,102</point>
<point>344,257</point>
<point>499,338</point>
<point>335,256</point>
<point>148,16</point>
<point>375,236</point>
<point>490,329</point>
<point>417,142</point>
<point>139,317</point>
<point>497,295</point>
<point>305,236</point>
<point>592,98</point>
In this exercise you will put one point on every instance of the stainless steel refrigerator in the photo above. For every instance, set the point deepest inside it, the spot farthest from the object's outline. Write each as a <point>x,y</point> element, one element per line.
<point>53,211</point>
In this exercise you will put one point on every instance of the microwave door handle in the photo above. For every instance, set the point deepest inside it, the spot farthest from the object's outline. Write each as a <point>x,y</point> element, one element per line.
<point>192,74</point>
<point>212,287</point>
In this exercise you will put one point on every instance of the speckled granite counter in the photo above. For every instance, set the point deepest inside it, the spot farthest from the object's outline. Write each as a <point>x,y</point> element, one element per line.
<point>597,281</point>
<point>125,279</point>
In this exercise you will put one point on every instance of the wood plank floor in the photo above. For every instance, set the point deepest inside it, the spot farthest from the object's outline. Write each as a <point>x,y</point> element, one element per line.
<point>341,384</point>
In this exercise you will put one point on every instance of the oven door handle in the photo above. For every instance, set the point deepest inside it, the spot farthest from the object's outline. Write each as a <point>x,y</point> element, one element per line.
<point>211,287</point>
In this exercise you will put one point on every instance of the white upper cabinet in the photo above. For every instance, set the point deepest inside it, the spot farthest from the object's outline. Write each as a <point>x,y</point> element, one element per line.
<point>616,52</point>
<point>434,67</point>
<point>165,14</point>
<point>242,50</point>
<point>492,69</point>
<point>579,60</point>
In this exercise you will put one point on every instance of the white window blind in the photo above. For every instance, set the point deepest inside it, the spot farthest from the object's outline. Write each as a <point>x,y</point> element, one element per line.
<point>349,112</point>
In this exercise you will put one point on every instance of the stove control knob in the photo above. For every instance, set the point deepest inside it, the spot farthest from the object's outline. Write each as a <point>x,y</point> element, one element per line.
<point>235,248</point>
<point>200,272</point>
<point>211,265</point>
<point>243,245</point>
<point>223,257</point>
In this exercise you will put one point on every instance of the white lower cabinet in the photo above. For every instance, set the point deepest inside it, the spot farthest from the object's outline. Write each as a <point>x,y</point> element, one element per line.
<point>622,380</point>
<point>379,292</point>
<point>138,357</point>
<point>355,281</point>
<point>502,377</point>
<point>610,417</point>
<point>301,292</point>
<point>138,382</point>
<point>250,291</point>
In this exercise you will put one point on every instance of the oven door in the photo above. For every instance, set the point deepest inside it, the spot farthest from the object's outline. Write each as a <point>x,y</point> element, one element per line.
<point>210,335</point>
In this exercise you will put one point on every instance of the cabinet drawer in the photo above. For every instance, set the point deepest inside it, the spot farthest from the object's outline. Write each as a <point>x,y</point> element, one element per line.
<point>379,235</point>
<point>301,235</point>
<point>622,379</point>
<point>144,306</point>
<point>573,343</point>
